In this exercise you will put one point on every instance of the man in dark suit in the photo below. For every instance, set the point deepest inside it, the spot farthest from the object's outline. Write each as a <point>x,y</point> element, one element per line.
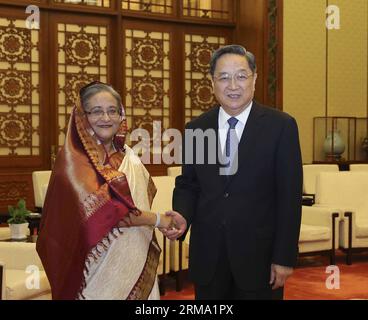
<point>244,212</point>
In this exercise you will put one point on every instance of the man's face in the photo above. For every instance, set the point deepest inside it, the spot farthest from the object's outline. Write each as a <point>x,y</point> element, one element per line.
<point>233,83</point>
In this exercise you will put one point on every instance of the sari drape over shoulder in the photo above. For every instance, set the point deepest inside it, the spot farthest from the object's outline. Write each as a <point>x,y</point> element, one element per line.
<point>85,200</point>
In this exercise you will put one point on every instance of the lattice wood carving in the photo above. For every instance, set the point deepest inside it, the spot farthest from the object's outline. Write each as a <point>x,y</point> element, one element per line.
<point>12,191</point>
<point>272,47</point>
<point>92,3</point>
<point>150,6</point>
<point>147,79</point>
<point>198,86</point>
<point>14,187</point>
<point>82,58</point>
<point>207,9</point>
<point>19,89</point>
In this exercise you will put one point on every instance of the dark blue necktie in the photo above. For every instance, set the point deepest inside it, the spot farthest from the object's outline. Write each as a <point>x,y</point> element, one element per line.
<point>232,141</point>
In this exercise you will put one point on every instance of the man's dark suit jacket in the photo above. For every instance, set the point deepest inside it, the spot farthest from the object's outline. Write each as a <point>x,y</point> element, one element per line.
<point>258,208</point>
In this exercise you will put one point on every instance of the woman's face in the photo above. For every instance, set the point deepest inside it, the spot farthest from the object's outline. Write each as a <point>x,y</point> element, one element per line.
<point>103,114</point>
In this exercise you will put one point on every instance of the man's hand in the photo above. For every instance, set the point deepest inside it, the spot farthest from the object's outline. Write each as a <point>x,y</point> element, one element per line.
<point>279,274</point>
<point>180,225</point>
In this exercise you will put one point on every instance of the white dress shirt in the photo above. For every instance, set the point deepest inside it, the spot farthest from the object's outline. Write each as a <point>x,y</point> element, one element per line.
<point>223,125</point>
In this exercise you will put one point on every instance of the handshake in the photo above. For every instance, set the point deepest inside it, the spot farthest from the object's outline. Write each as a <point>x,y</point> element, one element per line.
<point>172,224</point>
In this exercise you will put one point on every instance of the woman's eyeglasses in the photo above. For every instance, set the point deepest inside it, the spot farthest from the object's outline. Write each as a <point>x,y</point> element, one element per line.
<point>97,114</point>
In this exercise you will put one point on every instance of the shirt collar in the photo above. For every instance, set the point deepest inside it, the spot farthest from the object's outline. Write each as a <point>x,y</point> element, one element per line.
<point>242,117</point>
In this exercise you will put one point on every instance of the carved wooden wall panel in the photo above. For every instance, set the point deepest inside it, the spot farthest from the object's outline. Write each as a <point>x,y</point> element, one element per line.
<point>19,89</point>
<point>82,58</point>
<point>259,30</point>
<point>154,52</point>
<point>208,9</point>
<point>197,9</point>
<point>199,96</point>
<point>273,35</point>
<point>13,187</point>
<point>147,78</point>
<point>149,6</point>
<point>90,3</point>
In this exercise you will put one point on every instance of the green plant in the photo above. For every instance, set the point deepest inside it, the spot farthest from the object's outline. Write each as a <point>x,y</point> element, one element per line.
<point>19,213</point>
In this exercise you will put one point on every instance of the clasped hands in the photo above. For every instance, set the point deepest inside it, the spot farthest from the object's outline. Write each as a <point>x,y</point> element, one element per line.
<point>176,227</point>
<point>171,224</point>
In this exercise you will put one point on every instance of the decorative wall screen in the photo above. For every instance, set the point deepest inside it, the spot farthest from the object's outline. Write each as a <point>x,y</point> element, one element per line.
<point>152,6</point>
<point>95,3</point>
<point>206,9</point>
<point>82,58</point>
<point>198,86</point>
<point>19,89</point>
<point>154,52</point>
<point>215,9</point>
<point>159,66</point>
<point>147,79</point>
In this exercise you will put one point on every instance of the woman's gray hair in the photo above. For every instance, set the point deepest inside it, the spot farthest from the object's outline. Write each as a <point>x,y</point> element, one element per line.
<point>233,49</point>
<point>87,93</point>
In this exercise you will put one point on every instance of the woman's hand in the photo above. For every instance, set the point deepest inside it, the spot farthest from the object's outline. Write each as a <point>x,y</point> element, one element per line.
<point>166,222</point>
<point>146,218</point>
<point>126,222</point>
<point>179,226</point>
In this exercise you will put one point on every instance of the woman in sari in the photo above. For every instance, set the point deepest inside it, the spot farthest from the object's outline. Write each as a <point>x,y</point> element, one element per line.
<point>96,236</point>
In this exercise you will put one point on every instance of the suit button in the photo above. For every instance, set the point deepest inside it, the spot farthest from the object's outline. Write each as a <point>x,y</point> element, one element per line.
<point>226,195</point>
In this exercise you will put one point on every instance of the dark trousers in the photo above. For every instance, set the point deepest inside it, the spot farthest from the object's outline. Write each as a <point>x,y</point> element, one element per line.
<point>223,286</point>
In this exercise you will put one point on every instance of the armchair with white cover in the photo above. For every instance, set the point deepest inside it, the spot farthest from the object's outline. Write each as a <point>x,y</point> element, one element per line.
<point>162,202</point>
<point>346,193</point>
<point>358,167</point>
<point>4,233</point>
<point>22,276</point>
<point>318,232</point>
<point>310,173</point>
<point>40,180</point>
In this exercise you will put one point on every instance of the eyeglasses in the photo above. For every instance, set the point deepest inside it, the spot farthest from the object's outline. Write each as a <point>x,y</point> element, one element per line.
<point>97,114</point>
<point>240,76</point>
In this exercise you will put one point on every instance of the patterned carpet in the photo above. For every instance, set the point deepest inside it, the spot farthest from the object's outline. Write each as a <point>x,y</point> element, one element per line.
<point>308,282</point>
